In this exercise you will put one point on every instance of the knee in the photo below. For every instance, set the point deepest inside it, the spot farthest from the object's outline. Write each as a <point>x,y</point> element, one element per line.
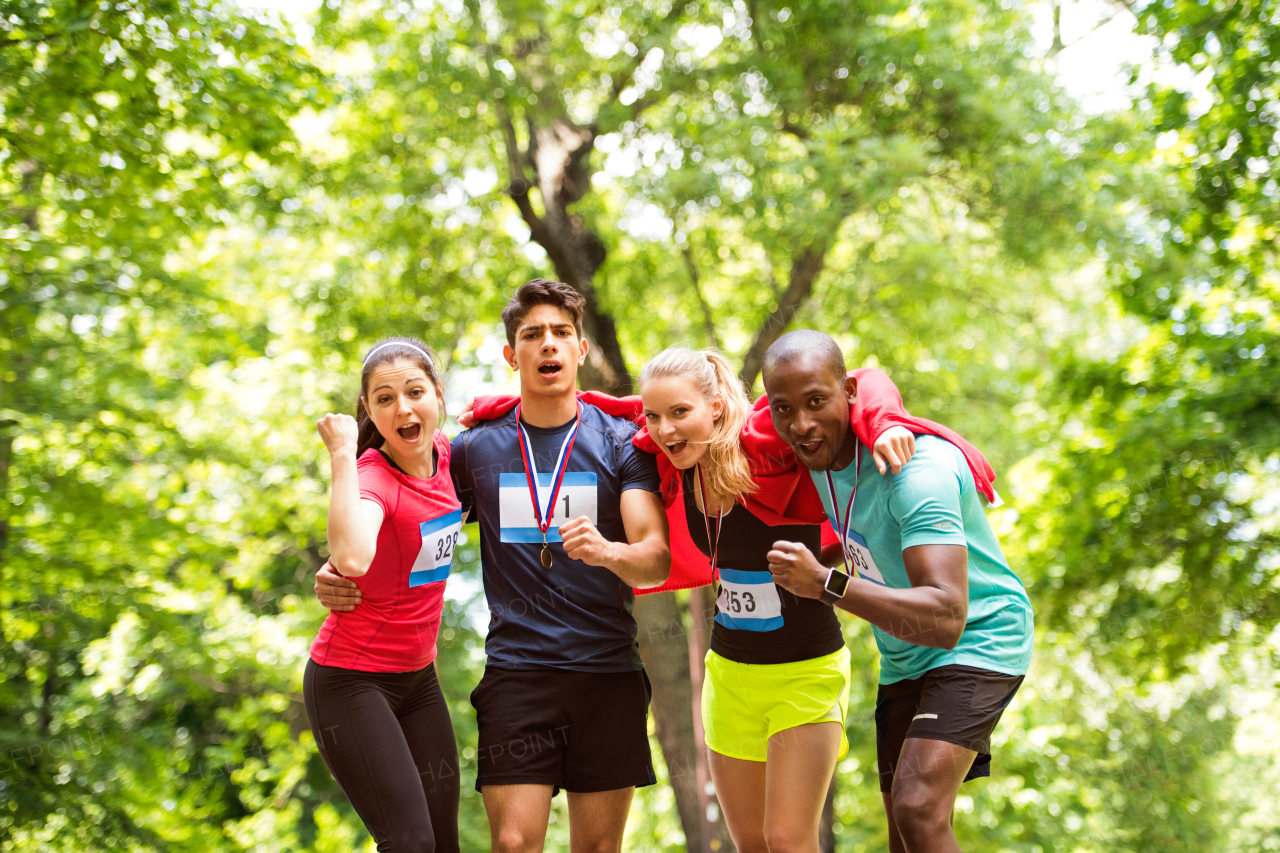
<point>511,839</point>
<point>604,845</point>
<point>410,841</point>
<point>919,813</point>
<point>755,845</point>
<point>790,839</point>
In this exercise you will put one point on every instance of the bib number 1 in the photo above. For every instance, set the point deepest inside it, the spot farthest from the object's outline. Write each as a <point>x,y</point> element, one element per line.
<point>439,542</point>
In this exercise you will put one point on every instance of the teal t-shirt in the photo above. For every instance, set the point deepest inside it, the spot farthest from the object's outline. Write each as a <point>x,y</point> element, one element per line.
<point>934,501</point>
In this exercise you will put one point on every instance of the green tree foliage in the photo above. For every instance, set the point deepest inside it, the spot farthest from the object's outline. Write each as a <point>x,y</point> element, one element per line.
<point>123,130</point>
<point>1177,478</point>
<point>1156,536</point>
<point>205,224</point>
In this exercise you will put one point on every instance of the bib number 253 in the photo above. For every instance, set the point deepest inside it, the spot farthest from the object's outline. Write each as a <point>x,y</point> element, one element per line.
<point>739,602</point>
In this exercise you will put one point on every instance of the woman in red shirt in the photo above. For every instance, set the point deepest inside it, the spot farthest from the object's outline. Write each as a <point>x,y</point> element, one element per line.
<point>370,687</point>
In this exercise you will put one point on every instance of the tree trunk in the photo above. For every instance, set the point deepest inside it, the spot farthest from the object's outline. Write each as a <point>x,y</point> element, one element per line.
<point>715,832</point>
<point>665,651</point>
<point>805,268</point>
<point>17,673</point>
<point>559,155</point>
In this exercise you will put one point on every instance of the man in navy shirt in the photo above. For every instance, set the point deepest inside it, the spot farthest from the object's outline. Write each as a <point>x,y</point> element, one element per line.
<point>570,522</point>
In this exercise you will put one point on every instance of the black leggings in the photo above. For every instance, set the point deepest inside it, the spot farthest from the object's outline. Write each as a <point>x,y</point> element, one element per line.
<point>388,740</point>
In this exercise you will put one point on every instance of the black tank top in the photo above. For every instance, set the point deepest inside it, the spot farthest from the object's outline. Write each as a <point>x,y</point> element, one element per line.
<point>808,629</point>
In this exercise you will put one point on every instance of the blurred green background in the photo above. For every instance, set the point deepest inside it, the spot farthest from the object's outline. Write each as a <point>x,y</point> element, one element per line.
<point>210,211</point>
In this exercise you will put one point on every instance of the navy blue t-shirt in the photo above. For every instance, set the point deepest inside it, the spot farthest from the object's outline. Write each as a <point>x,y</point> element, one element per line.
<point>571,616</point>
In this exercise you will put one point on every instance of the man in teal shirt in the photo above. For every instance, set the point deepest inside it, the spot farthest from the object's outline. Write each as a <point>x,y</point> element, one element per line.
<point>952,620</point>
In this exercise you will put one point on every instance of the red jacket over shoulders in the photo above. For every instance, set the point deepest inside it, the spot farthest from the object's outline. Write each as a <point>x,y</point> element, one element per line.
<point>786,494</point>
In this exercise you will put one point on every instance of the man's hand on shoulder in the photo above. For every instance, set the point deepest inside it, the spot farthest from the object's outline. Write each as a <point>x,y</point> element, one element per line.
<point>468,417</point>
<point>335,591</point>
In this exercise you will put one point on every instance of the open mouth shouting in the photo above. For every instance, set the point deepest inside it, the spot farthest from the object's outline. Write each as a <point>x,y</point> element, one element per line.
<point>550,370</point>
<point>410,433</point>
<point>676,448</point>
<point>808,449</point>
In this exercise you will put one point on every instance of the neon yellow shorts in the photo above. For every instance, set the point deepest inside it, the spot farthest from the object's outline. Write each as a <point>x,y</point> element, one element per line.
<point>745,704</point>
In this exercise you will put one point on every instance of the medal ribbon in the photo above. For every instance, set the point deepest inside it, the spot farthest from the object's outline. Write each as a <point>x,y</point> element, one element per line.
<point>712,545</point>
<point>842,530</point>
<point>543,517</point>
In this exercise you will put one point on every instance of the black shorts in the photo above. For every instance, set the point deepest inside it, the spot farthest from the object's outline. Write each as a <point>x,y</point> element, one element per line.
<point>957,704</point>
<point>580,731</point>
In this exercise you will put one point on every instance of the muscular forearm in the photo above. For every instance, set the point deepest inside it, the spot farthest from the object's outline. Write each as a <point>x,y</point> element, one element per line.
<point>350,545</point>
<point>642,564</point>
<point>925,616</point>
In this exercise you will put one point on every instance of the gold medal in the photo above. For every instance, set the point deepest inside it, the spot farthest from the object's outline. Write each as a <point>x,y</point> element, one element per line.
<point>546,556</point>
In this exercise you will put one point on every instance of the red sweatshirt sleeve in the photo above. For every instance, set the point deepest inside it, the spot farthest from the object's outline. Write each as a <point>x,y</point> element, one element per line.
<point>880,407</point>
<point>489,407</point>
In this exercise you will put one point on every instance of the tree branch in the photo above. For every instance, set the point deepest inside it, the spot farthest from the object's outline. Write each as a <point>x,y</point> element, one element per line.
<point>628,78</point>
<point>795,130</point>
<point>1058,46</point>
<point>805,268</point>
<point>708,325</point>
<point>47,37</point>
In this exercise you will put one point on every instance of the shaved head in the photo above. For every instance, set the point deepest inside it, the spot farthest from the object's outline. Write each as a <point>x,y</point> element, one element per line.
<point>805,346</point>
<point>810,398</point>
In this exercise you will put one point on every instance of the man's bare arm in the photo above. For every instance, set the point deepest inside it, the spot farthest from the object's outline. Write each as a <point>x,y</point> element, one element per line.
<point>644,560</point>
<point>932,612</point>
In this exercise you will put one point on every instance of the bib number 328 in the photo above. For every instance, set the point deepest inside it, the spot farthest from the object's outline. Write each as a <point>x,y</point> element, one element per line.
<point>439,541</point>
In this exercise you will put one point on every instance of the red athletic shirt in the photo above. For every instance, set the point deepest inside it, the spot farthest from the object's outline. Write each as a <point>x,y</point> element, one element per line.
<point>394,627</point>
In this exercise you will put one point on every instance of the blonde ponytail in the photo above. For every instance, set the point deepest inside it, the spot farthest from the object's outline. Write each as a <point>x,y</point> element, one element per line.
<point>726,465</point>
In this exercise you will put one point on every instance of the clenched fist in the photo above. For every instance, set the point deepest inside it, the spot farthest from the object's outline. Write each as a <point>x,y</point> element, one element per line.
<point>339,432</point>
<point>582,541</point>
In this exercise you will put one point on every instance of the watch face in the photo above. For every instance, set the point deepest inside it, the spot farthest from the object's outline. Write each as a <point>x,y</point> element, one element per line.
<point>838,583</point>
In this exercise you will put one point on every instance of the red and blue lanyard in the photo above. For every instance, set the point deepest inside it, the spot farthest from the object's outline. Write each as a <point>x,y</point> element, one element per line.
<point>842,530</point>
<point>542,512</point>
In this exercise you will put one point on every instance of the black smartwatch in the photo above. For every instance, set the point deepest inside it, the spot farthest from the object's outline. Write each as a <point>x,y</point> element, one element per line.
<point>833,590</point>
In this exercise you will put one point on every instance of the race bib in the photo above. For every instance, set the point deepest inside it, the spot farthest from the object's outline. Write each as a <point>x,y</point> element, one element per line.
<point>855,548</point>
<point>748,601</point>
<point>439,541</point>
<point>515,507</point>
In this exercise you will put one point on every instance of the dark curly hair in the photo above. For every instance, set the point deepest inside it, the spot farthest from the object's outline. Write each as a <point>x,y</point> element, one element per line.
<point>542,291</point>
